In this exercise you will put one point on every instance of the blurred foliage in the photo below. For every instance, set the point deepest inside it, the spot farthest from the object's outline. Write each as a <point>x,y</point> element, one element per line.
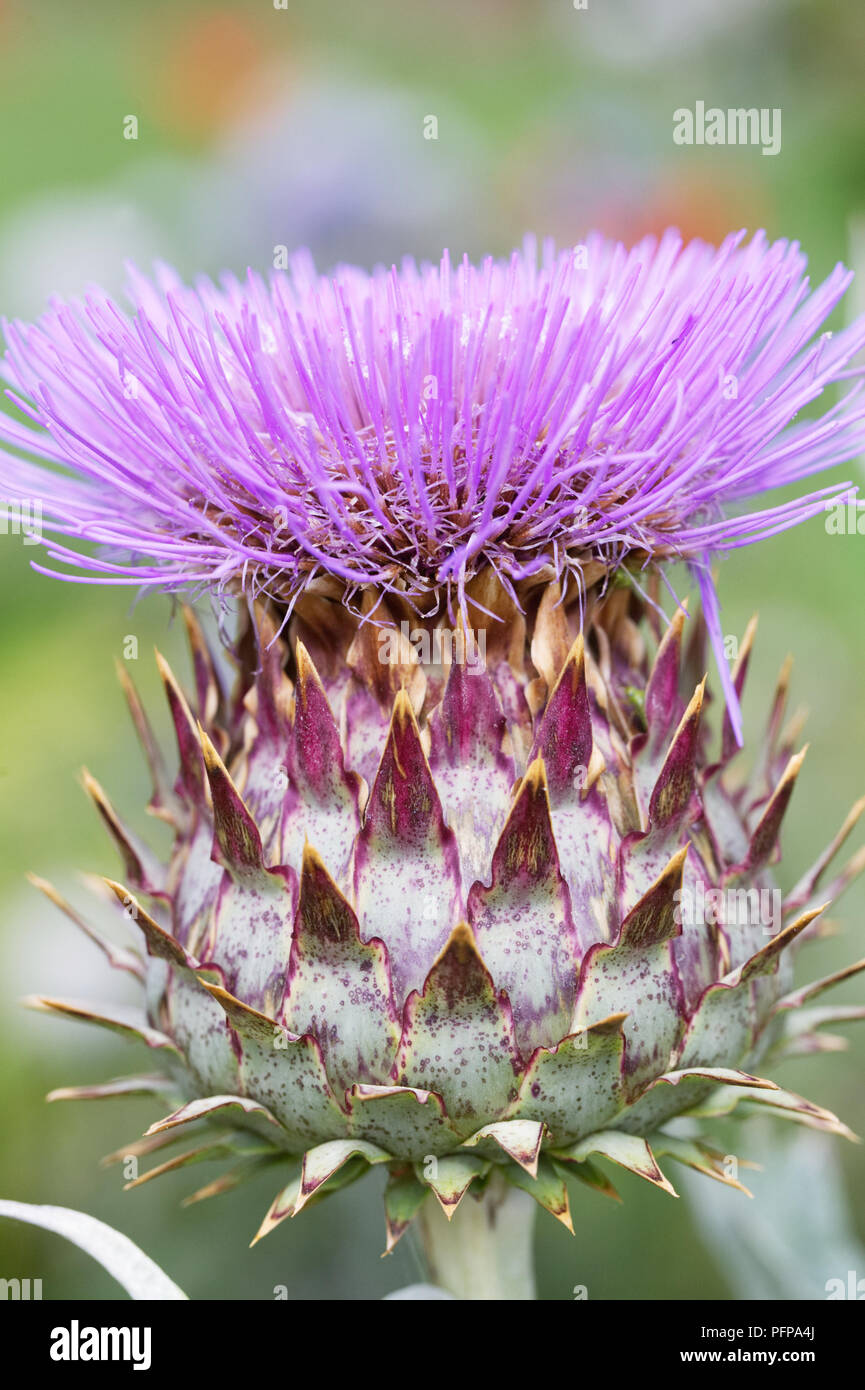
<point>547,122</point>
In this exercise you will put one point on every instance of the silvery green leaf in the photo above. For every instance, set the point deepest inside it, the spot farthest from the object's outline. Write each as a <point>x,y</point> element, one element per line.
<point>135,1271</point>
<point>428,1292</point>
<point>781,1245</point>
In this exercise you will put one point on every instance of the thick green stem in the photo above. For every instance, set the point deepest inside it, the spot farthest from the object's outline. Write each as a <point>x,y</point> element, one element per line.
<point>485,1250</point>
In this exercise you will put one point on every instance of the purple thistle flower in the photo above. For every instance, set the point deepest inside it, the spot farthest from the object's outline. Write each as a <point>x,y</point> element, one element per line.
<point>506,914</point>
<point>407,428</point>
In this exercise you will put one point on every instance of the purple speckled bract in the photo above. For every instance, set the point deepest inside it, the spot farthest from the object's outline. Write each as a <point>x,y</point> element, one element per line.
<point>407,428</point>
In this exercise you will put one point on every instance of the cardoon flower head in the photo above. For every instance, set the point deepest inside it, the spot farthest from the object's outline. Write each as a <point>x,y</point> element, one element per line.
<point>409,429</point>
<point>478,922</point>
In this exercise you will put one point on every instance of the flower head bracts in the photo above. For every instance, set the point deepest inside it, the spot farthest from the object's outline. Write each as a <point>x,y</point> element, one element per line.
<point>333,999</point>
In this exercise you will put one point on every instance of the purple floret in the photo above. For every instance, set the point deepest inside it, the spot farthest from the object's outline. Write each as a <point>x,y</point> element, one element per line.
<point>408,428</point>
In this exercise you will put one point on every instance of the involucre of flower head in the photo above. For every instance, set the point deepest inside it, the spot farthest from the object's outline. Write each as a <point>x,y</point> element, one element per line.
<point>409,428</point>
<point>455,934</point>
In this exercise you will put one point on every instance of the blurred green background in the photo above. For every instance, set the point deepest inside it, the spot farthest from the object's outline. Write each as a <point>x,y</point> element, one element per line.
<point>260,127</point>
